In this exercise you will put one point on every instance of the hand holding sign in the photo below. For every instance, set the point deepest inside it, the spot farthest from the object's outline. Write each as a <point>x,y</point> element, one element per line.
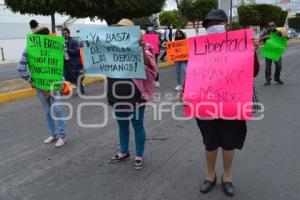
<point>274,47</point>
<point>114,52</point>
<point>153,40</point>
<point>46,61</point>
<point>178,50</point>
<point>219,79</point>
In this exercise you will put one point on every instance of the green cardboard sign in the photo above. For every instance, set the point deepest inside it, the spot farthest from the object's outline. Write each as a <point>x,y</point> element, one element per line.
<point>274,47</point>
<point>46,61</point>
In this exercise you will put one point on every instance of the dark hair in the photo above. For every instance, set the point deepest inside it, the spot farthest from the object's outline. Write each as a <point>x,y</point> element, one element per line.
<point>65,29</point>
<point>33,24</point>
<point>44,31</point>
<point>270,22</point>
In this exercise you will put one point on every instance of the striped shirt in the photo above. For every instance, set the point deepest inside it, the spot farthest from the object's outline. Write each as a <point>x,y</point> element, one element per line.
<point>23,67</point>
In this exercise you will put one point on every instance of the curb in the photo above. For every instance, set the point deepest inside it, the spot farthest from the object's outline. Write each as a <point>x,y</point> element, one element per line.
<point>6,62</point>
<point>25,93</point>
<point>293,41</point>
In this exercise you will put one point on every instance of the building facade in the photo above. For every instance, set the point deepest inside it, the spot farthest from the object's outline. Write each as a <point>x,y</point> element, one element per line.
<point>292,6</point>
<point>14,28</point>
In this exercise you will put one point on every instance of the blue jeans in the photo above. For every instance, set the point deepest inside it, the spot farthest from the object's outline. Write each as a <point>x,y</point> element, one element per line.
<point>47,103</point>
<point>180,68</point>
<point>136,116</point>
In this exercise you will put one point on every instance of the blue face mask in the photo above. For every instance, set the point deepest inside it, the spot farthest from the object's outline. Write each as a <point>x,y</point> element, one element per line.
<point>216,29</point>
<point>150,28</point>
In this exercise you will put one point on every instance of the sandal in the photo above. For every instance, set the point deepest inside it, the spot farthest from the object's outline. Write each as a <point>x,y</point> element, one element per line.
<point>117,158</point>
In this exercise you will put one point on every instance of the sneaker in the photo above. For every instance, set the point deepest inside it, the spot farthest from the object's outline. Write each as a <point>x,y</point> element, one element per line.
<point>156,84</point>
<point>61,142</point>
<point>178,88</point>
<point>138,164</point>
<point>118,157</point>
<point>50,140</point>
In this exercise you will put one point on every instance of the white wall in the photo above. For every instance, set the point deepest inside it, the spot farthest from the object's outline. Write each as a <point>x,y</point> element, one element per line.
<point>13,48</point>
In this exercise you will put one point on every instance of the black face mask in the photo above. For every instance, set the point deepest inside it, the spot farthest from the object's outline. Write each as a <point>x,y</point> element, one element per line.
<point>272,29</point>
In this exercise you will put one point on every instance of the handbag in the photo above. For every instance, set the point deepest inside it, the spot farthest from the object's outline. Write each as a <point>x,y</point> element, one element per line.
<point>256,102</point>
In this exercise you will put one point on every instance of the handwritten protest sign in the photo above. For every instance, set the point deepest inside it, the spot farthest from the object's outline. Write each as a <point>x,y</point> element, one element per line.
<point>153,40</point>
<point>113,51</point>
<point>274,47</point>
<point>178,50</point>
<point>46,61</point>
<point>219,79</point>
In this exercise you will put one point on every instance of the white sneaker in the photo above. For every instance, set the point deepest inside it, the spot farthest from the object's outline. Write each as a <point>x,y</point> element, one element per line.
<point>156,84</point>
<point>178,88</point>
<point>50,140</point>
<point>60,142</point>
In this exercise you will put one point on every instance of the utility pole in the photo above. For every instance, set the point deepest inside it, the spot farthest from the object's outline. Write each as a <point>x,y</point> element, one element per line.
<point>230,12</point>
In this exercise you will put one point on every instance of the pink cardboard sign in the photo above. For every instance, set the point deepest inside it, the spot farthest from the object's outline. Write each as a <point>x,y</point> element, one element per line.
<point>219,79</point>
<point>153,40</point>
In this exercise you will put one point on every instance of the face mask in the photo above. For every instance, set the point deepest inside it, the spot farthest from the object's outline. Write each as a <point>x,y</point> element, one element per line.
<point>216,29</point>
<point>150,28</point>
<point>272,29</point>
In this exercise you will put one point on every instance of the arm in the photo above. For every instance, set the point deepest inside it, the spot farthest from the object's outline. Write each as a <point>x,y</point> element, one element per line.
<point>263,36</point>
<point>146,59</point>
<point>23,68</point>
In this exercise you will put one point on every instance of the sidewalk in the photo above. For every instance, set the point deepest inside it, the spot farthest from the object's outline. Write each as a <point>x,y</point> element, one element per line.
<point>5,62</point>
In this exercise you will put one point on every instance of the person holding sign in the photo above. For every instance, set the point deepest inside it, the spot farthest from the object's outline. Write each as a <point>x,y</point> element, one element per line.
<point>209,60</point>
<point>264,36</point>
<point>156,46</point>
<point>73,67</point>
<point>180,65</point>
<point>128,98</point>
<point>168,37</point>
<point>44,57</point>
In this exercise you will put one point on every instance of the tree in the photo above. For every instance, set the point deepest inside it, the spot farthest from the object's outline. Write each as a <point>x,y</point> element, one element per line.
<point>181,6</point>
<point>111,11</point>
<point>114,10</point>
<point>261,14</point>
<point>282,19</point>
<point>196,10</point>
<point>143,22</point>
<point>37,7</point>
<point>248,15</point>
<point>169,18</point>
<point>269,13</point>
<point>294,23</point>
<point>235,26</point>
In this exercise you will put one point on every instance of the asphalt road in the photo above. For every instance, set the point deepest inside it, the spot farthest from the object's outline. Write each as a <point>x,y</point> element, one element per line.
<point>8,72</point>
<point>268,168</point>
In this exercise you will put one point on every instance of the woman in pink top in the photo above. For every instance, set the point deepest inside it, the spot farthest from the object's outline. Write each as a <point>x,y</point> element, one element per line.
<point>128,98</point>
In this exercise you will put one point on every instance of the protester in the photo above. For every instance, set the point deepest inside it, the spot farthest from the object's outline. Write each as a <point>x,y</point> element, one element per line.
<point>227,134</point>
<point>132,108</point>
<point>168,37</point>
<point>180,65</point>
<point>264,36</point>
<point>33,25</point>
<point>49,99</point>
<point>73,66</point>
<point>153,30</point>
